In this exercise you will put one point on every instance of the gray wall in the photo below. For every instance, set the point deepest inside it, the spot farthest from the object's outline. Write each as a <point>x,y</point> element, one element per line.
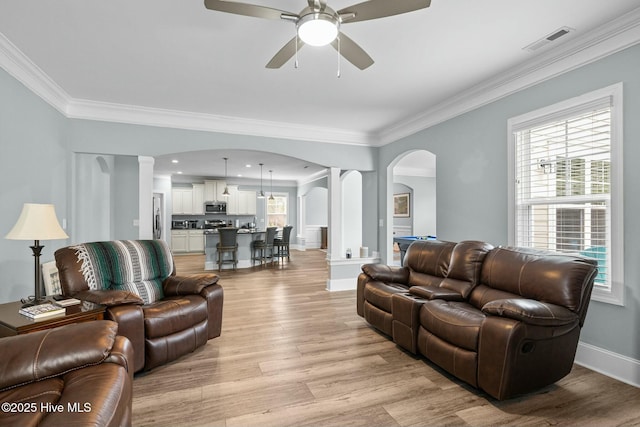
<point>471,185</point>
<point>33,168</point>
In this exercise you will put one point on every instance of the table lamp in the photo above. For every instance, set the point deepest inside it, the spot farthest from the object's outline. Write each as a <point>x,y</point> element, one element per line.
<point>37,222</point>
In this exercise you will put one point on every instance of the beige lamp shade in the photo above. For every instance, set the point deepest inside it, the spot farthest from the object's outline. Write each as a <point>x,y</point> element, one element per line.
<point>37,222</point>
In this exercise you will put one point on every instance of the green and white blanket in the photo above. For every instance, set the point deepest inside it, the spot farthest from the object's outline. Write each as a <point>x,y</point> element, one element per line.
<point>137,266</point>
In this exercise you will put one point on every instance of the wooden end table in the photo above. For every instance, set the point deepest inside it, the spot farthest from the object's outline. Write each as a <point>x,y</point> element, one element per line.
<point>13,323</point>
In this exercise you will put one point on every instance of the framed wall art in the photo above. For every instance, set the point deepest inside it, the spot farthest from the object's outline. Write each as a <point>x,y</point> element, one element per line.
<point>401,205</point>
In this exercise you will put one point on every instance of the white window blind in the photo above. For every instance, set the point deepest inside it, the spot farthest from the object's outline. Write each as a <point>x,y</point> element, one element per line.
<point>563,184</point>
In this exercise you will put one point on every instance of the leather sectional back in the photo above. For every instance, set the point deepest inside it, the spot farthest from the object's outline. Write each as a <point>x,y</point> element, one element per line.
<point>454,266</point>
<point>428,262</point>
<point>559,279</point>
<point>465,266</point>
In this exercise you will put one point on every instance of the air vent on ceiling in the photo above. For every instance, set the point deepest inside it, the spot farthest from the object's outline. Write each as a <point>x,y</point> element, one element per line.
<point>561,32</point>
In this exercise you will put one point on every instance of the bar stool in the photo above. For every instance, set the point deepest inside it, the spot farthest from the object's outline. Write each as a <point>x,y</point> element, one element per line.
<point>228,244</point>
<point>281,246</point>
<point>263,246</point>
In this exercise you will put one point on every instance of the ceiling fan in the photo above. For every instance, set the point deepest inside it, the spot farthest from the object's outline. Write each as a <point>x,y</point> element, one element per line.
<point>318,24</point>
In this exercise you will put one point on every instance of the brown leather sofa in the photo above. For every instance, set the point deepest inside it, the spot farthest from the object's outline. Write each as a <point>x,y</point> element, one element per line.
<point>125,276</point>
<point>505,320</point>
<point>74,375</point>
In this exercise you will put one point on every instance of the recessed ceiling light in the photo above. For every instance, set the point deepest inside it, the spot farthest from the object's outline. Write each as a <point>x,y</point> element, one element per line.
<point>248,166</point>
<point>239,175</point>
<point>179,172</point>
<point>174,161</point>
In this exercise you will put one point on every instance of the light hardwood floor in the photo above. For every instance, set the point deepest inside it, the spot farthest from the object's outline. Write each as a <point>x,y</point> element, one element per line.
<point>293,354</point>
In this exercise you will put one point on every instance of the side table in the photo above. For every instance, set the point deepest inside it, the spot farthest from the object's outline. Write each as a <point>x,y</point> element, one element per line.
<point>14,323</point>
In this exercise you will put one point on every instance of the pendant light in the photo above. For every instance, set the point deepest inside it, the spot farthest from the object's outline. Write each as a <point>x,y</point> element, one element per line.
<point>261,194</point>
<point>271,196</point>
<point>225,193</point>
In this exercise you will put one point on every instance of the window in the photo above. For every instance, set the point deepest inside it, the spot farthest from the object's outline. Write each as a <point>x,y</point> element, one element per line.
<point>277,209</point>
<point>566,183</point>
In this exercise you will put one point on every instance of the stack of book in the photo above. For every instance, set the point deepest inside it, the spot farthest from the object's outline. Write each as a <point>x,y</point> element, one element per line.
<point>42,310</point>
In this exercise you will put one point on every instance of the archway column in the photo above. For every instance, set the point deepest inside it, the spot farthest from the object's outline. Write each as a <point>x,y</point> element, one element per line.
<point>145,206</point>
<point>343,272</point>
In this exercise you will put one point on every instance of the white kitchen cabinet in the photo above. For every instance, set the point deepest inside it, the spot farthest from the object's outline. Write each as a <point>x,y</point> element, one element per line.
<point>198,199</point>
<point>196,241</point>
<point>179,241</point>
<point>182,200</point>
<point>213,190</point>
<point>232,200</point>
<point>246,202</point>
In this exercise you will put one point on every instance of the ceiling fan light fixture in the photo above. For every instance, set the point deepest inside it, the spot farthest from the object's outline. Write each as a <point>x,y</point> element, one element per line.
<point>318,29</point>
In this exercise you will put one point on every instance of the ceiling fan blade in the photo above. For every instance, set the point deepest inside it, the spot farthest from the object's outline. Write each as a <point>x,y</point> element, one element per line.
<point>246,9</point>
<point>374,9</point>
<point>285,54</point>
<point>352,52</point>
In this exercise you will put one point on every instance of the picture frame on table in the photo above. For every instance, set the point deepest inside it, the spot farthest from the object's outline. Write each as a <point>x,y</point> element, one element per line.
<point>51,279</point>
<point>402,205</point>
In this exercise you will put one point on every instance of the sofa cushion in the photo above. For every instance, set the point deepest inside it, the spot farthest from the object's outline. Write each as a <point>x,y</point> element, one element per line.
<point>173,314</point>
<point>39,393</point>
<point>137,266</point>
<point>457,323</point>
<point>379,293</point>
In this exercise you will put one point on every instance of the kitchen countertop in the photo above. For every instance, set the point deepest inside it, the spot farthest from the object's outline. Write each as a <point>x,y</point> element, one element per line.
<point>240,231</point>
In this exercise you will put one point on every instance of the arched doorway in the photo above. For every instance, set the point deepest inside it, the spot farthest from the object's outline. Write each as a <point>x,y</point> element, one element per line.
<point>411,205</point>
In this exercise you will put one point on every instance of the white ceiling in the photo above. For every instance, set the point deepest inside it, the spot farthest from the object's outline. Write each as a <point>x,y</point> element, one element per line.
<point>178,56</point>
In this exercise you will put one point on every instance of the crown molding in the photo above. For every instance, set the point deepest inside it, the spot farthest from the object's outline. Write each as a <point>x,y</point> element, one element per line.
<point>610,38</point>
<point>605,40</point>
<point>149,116</point>
<point>20,67</point>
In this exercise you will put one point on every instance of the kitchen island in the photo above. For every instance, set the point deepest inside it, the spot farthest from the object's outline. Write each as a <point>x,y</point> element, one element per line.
<point>245,253</point>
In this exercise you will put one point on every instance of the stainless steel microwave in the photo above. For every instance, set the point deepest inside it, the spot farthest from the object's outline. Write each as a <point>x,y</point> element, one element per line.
<point>215,208</point>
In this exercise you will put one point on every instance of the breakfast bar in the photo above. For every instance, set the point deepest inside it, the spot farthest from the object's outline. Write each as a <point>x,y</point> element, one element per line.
<point>245,239</point>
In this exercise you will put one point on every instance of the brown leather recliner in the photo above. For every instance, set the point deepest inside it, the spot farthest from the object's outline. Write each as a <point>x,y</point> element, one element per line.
<point>77,374</point>
<point>510,327</point>
<point>165,316</point>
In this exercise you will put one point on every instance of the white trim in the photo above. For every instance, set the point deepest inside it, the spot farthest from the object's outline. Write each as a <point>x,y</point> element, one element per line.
<point>335,285</point>
<point>121,113</point>
<point>18,65</point>
<point>610,38</point>
<point>614,365</point>
<point>615,94</point>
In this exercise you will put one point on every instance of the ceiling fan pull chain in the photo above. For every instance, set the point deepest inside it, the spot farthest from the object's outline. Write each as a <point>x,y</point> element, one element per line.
<point>338,38</point>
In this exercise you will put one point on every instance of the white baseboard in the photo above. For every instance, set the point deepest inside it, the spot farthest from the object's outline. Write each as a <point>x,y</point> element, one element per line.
<point>614,365</point>
<point>348,284</point>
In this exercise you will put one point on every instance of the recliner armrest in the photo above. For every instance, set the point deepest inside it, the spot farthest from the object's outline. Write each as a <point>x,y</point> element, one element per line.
<point>387,273</point>
<point>531,312</point>
<point>188,285</point>
<point>109,297</point>
<point>435,292</point>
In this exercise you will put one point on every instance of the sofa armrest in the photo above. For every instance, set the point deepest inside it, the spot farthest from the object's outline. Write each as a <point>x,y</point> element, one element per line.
<point>188,285</point>
<point>435,292</point>
<point>531,312</point>
<point>45,354</point>
<point>109,297</point>
<point>386,273</point>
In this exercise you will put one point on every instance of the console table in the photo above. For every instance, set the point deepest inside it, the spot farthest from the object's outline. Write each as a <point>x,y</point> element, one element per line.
<point>14,323</point>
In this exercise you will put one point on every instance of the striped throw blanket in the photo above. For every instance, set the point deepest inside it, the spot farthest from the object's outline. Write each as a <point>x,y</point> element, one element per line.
<point>137,266</point>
